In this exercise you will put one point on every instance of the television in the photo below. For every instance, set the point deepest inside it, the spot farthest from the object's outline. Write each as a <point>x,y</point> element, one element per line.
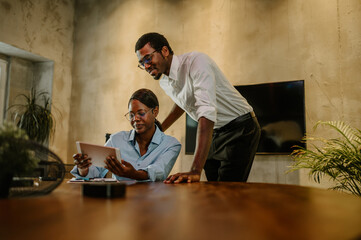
<point>280,110</point>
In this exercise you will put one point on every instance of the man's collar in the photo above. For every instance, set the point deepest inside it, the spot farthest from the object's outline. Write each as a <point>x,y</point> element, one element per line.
<point>174,68</point>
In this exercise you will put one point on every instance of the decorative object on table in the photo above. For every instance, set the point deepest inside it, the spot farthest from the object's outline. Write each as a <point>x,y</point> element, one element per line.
<point>338,158</point>
<point>34,115</point>
<point>104,190</point>
<point>27,168</point>
<point>15,159</point>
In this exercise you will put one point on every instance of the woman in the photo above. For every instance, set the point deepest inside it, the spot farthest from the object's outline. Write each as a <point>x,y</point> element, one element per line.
<point>148,154</point>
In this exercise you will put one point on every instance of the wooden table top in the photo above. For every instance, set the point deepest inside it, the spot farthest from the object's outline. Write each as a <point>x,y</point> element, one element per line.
<point>206,210</point>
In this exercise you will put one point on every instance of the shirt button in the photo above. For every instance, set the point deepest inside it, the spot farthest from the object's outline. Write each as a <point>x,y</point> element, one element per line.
<point>138,164</point>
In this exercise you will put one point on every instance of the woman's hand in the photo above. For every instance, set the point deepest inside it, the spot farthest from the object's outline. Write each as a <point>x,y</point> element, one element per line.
<point>83,163</point>
<point>124,169</point>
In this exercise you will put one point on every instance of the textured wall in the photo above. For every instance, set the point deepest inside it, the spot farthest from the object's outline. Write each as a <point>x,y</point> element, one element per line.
<point>21,80</point>
<point>253,41</point>
<point>45,28</point>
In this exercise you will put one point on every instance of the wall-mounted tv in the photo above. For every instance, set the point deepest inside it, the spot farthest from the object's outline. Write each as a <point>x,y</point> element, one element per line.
<point>280,110</point>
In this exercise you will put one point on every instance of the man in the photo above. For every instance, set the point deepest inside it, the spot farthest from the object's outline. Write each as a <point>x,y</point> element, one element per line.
<point>228,131</point>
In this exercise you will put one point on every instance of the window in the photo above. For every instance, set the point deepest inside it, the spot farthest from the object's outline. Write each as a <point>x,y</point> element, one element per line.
<point>3,76</point>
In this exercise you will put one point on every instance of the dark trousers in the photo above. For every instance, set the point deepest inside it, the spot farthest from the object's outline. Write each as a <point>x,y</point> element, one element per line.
<point>233,149</point>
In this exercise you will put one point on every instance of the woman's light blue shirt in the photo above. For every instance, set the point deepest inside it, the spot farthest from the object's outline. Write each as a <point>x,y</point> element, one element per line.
<point>158,161</point>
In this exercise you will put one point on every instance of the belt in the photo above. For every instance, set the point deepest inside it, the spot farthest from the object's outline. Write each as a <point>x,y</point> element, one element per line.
<point>231,124</point>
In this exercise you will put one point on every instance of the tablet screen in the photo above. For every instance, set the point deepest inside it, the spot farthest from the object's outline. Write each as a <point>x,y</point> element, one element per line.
<point>97,153</point>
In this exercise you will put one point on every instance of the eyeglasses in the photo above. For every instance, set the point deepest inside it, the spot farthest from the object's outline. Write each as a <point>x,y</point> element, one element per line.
<point>140,114</point>
<point>146,60</point>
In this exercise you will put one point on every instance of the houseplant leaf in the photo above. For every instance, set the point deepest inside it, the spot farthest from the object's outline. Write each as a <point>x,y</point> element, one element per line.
<point>34,115</point>
<point>339,158</point>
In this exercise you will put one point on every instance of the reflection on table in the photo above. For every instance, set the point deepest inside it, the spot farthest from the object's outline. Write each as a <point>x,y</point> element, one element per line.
<point>203,210</point>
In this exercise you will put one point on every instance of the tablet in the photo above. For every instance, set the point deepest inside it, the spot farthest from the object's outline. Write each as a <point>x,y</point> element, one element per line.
<point>97,153</point>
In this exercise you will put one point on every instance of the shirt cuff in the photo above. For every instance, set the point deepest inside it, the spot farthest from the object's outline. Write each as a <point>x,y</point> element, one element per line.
<point>207,112</point>
<point>94,172</point>
<point>153,174</point>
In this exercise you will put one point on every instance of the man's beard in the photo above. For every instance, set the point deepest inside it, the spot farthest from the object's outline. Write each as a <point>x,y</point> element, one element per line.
<point>157,77</point>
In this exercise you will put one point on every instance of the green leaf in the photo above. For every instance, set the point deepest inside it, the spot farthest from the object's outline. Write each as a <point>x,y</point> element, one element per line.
<point>34,115</point>
<point>338,158</point>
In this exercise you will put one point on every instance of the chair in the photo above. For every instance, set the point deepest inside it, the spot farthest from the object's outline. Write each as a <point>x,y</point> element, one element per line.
<point>107,136</point>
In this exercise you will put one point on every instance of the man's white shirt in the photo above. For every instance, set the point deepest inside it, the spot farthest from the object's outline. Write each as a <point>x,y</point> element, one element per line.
<point>198,86</point>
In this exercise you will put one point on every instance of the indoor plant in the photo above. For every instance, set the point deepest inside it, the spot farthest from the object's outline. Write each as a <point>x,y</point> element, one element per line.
<point>34,116</point>
<point>338,158</point>
<point>16,157</point>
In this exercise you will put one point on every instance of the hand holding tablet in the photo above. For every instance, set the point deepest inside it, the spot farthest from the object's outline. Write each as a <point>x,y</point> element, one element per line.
<point>97,153</point>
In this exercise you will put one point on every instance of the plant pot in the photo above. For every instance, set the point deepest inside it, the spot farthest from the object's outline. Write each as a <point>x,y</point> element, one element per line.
<point>5,183</point>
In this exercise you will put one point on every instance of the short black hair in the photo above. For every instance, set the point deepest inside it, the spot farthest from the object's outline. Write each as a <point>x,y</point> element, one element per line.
<point>156,41</point>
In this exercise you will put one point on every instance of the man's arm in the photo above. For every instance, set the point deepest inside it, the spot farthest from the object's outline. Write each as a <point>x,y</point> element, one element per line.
<point>204,140</point>
<point>174,114</point>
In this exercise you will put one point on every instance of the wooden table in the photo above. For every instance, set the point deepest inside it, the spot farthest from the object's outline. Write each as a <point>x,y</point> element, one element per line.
<point>203,210</point>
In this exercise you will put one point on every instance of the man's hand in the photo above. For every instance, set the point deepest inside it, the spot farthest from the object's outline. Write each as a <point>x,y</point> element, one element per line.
<point>184,177</point>
<point>204,139</point>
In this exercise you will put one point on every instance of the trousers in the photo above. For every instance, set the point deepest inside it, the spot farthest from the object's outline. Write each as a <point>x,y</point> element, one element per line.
<point>233,149</point>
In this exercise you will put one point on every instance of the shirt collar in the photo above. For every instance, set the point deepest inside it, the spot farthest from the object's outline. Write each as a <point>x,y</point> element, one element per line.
<point>157,137</point>
<point>173,72</point>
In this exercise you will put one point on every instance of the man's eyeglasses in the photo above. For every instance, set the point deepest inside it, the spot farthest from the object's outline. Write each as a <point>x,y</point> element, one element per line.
<point>140,114</point>
<point>146,60</point>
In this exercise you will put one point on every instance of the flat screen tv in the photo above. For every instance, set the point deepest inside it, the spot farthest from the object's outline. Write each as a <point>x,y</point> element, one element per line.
<point>280,110</point>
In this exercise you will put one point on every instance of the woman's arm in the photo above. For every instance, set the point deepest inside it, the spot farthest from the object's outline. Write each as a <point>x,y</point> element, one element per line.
<point>159,170</point>
<point>92,172</point>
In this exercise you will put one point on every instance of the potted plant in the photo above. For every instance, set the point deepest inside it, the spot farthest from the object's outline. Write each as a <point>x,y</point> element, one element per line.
<point>339,158</point>
<point>16,158</point>
<point>34,115</point>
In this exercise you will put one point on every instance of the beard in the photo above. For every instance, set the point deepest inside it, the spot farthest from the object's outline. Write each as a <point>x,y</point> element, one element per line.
<point>157,77</point>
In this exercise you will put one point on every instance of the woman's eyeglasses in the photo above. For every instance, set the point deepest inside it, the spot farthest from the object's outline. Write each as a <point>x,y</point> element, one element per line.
<point>140,114</point>
<point>146,60</point>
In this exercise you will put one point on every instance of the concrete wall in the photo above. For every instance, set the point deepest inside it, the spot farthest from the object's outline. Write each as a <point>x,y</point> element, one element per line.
<point>21,81</point>
<point>253,41</point>
<point>45,28</point>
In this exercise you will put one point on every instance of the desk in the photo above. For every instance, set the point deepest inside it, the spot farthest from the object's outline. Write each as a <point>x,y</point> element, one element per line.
<point>185,211</point>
